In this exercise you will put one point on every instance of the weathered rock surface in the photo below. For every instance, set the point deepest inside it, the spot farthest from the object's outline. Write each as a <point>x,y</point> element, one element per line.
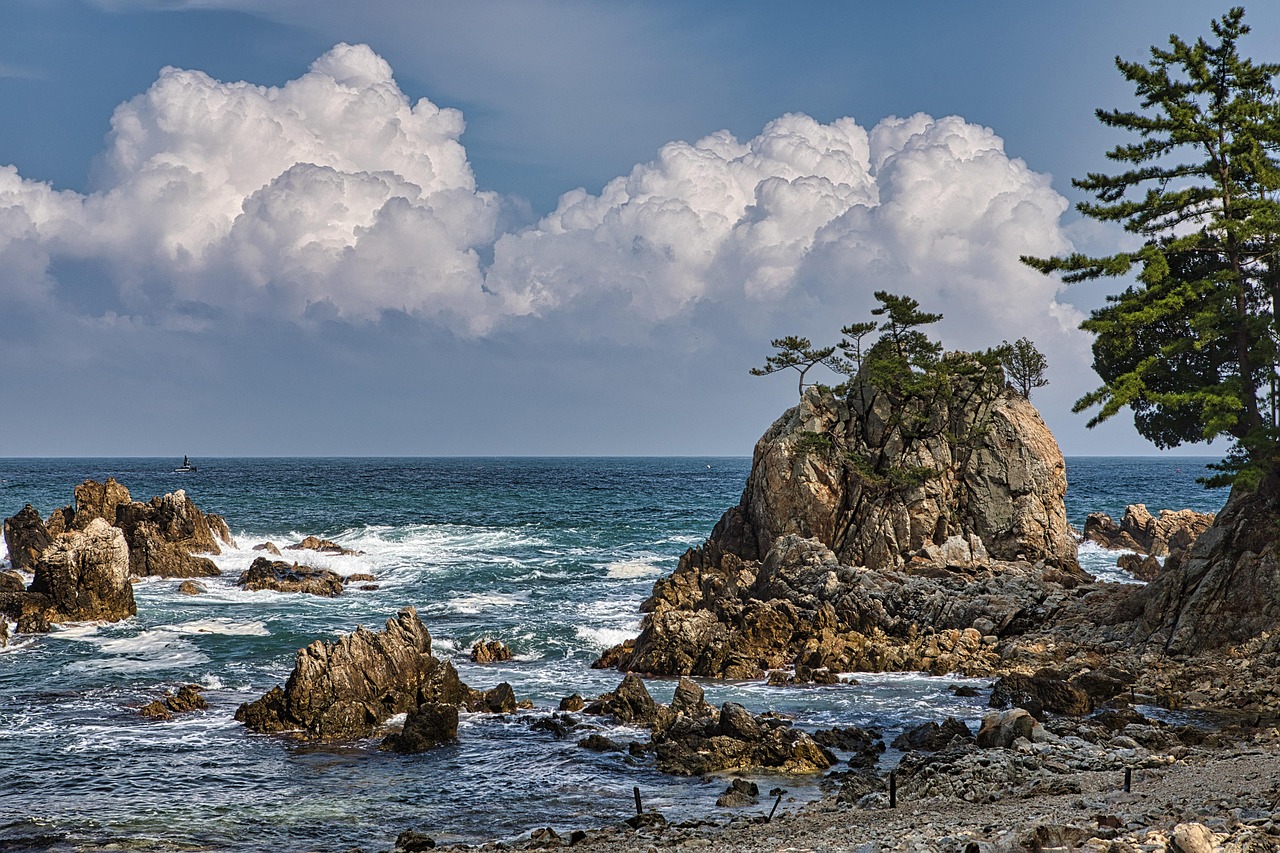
<point>265,574</point>
<point>931,736</point>
<point>82,575</point>
<point>425,727</point>
<point>876,492</point>
<point>721,616</point>
<point>736,740</point>
<point>1143,568</point>
<point>25,538</point>
<point>1225,589</point>
<point>493,651</point>
<point>1138,530</point>
<point>1047,691</point>
<point>342,690</point>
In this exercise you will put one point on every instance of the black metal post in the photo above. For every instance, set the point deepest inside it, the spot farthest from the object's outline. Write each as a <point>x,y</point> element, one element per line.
<point>639,810</point>
<point>893,790</point>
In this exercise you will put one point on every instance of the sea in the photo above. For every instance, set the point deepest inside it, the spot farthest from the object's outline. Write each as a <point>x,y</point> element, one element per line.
<point>552,556</point>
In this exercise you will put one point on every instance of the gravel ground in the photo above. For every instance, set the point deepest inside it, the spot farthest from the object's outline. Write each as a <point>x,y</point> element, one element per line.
<point>1224,799</point>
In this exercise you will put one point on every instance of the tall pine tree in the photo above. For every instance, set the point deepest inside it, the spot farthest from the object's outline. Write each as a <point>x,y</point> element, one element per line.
<point>1190,347</point>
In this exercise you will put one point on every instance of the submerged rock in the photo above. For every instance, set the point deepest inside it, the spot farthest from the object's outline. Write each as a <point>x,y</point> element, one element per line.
<point>186,699</point>
<point>324,546</point>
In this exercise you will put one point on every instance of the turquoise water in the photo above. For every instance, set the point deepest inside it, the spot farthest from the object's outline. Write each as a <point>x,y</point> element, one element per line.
<point>552,556</point>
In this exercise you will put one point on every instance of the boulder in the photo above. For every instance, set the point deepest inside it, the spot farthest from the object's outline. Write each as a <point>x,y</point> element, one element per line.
<point>192,588</point>
<point>1047,691</point>
<point>265,574</point>
<point>12,582</point>
<point>734,740</point>
<point>186,699</point>
<point>931,736</point>
<point>151,555</point>
<point>25,538</point>
<point>630,702</point>
<point>413,842</point>
<point>429,725</point>
<point>493,651</point>
<point>1143,568</point>
<point>495,700</point>
<point>342,690</point>
<point>739,793</point>
<point>324,546</point>
<point>83,575</point>
<point>1138,530</point>
<point>269,547</point>
<point>865,744</point>
<point>1002,728</point>
<point>573,702</point>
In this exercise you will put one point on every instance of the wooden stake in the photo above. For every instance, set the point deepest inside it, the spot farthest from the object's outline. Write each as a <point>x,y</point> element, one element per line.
<point>1128,779</point>
<point>636,790</point>
<point>893,789</point>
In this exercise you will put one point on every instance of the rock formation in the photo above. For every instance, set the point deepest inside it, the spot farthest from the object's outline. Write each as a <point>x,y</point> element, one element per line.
<point>163,535</point>
<point>801,608</point>
<point>493,651</point>
<point>80,576</point>
<point>290,577</point>
<point>186,699</point>
<point>324,546</point>
<point>342,690</point>
<point>1225,589</point>
<point>1139,530</point>
<point>876,478</point>
<point>25,538</point>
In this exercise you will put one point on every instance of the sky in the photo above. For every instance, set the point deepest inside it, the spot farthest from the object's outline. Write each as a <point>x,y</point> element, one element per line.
<point>528,227</point>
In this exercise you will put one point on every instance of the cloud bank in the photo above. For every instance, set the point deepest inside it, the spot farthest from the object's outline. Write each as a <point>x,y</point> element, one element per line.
<point>334,198</point>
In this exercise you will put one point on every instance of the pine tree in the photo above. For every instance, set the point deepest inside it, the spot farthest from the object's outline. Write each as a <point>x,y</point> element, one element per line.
<point>1024,364</point>
<point>1190,347</point>
<point>799,354</point>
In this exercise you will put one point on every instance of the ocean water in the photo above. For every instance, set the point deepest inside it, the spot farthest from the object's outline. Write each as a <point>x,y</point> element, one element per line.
<point>552,556</point>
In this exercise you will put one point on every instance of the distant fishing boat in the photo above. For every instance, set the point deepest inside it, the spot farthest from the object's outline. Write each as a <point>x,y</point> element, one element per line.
<point>186,467</point>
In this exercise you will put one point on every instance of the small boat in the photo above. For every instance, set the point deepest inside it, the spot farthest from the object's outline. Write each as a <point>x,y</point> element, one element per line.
<point>186,467</point>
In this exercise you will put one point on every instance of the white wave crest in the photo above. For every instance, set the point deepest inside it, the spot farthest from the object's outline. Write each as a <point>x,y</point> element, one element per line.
<point>604,638</point>
<point>478,601</point>
<point>632,569</point>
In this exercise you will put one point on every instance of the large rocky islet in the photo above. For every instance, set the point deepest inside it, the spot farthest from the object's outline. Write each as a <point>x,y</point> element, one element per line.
<point>826,566</point>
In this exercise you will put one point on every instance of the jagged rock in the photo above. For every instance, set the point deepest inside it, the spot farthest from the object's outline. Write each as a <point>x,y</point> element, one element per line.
<point>97,500</point>
<point>324,546</point>
<point>429,725</point>
<point>688,700</point>
<point>1045,691</point>
<point>723,617</point>
<point>495,700</point>
<point>1192,838</point>
<point>82,575</point>
<point>630,702</point>
<point>739,793</point>
<point>493,651</point>
<point>192,588</point>
<point>186,699</point>
<point>1002,728</point>
<point>1143,568</point>
<point>545,837</point>
<point>865,744</point>
<point>25,537</point>
<point>151,555</point>
<point>276,575</point>
<point>931,737</point>
<point>12,582</point>
<point>1138,530</point>
<point>269,547</point>
<point>574,702</point>
<point>358,577</point>
<point>172,518</point>
<point>218,526</point>
<point>341,690</point>
<point>600,743</point>
<point>1225,589</point>
<point>735,740</point>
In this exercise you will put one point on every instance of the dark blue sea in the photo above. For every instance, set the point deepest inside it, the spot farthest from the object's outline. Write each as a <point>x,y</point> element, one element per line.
<point>552,556</point>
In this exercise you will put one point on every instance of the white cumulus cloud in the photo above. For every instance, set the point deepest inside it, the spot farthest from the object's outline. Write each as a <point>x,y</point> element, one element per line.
<point>335,197</point>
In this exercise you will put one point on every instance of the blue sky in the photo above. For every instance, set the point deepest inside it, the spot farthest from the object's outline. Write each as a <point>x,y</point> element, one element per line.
<point>359,296</point>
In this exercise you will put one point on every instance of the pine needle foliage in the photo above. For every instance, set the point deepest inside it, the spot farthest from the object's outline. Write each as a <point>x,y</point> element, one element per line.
<point>1190,346</point>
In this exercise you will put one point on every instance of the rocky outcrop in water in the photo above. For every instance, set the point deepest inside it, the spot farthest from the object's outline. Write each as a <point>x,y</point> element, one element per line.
<point>163,535</point>
<point>876,478</point>
<point>343,690</point>
<point>493,651</point>
<point>324,546</point>
<point>1139,530</point>
<point>264,574</point>
<point>80,576</point>
<point>185,700</point>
